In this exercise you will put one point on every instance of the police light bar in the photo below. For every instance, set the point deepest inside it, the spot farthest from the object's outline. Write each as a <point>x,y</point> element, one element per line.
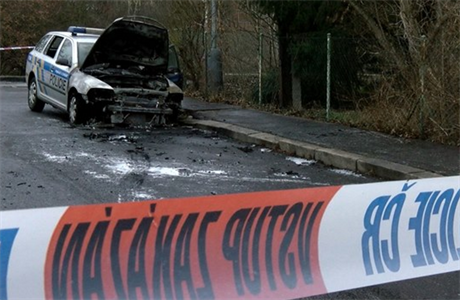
<point>76,29</point>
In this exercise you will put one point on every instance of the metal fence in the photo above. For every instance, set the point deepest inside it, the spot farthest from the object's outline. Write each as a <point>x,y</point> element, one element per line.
<point>423,102</point>
<point>249,58</point>
<point>421,99</point>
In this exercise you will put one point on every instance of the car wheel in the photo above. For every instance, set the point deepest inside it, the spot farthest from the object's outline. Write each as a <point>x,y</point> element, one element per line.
<point>77,113</point>
<point>177,116</point>
<point>35,104</point>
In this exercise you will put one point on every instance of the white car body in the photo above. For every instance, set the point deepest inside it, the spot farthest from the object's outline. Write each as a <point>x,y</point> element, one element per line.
<point>121,72</point>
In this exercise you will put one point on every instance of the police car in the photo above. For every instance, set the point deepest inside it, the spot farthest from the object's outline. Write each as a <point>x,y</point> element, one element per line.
<point>108,75</point>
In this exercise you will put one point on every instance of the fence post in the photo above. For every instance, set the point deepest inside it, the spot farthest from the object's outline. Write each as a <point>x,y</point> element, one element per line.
<point>260,64</point>
<point>328,75</point>
<point>205,47</point>
<point>215,76</point>
<point>422,71</point>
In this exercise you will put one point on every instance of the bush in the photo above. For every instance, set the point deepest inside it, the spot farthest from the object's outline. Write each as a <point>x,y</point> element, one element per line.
<point>270,88</point>
<point>310,64</point>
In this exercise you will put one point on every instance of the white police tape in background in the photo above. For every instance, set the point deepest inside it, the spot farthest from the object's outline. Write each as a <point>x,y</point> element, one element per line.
<point>16,48</point>
<point>281,244</point>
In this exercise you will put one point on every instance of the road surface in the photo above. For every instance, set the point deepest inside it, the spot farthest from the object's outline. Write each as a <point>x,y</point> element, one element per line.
<point>45,162</point>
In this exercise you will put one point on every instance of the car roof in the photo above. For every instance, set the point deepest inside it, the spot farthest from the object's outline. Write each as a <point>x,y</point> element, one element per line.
<point>79,37</point>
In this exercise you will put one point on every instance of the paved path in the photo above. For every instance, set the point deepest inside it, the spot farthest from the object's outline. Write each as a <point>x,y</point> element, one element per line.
<point>333,144</point>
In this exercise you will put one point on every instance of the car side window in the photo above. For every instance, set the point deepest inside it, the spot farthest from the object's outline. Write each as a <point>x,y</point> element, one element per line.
<point>66,51</point>
<point>42,43</point>
<point>173,61</point>
<point>53,47</point>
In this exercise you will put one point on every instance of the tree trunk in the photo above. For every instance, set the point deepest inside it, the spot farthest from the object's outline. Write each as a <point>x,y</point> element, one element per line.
<point>285,100</point>
<point>296,92</point>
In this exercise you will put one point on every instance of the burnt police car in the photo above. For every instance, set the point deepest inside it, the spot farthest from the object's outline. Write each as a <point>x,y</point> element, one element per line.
<point>109,75</point>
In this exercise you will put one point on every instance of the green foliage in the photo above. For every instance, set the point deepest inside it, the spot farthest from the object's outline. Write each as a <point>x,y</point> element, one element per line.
<point>309,54</point>
<point>23,23</point>
<point>18,28</point>
<point>270,88</point>
<point>298,17</point>
<point>294,18</point>
<point>303,27</point>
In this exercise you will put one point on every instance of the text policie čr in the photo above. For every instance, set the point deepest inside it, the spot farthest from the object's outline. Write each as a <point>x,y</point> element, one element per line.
<point>7,237</point>
<point>433,229</point>
<point>167,258</point>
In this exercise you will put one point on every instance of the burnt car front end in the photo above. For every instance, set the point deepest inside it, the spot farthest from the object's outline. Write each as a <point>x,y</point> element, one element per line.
<point>125,74</point>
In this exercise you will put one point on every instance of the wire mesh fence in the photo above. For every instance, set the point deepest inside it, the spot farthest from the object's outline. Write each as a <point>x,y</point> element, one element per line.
<point>420,99</point>
<point>247,57</point>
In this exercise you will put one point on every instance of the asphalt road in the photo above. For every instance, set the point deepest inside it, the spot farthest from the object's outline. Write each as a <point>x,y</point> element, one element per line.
<point>45,162</point>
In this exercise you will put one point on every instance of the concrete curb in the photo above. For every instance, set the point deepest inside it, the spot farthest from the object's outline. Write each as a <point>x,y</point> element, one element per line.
<point>329,157</point>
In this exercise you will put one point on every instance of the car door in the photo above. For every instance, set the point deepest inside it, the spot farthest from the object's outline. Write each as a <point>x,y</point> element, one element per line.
<point>174,71</point>
<point>48,82</point>
<point>59,76</point>
<point>37,60</point>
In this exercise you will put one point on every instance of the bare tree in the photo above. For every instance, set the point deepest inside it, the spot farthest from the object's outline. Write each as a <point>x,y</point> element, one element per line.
<point>185,20</point>
<point>419,42</point>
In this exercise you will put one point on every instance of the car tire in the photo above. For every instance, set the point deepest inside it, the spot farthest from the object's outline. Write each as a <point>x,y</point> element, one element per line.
<point>35,104</point>
<point>172,118</point>
<point>77,110</point>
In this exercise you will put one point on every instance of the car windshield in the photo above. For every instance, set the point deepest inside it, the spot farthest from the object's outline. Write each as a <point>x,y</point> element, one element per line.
<point>83,50</point>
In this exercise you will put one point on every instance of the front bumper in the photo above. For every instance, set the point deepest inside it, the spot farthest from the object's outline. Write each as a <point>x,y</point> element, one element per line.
<point>143,110</point>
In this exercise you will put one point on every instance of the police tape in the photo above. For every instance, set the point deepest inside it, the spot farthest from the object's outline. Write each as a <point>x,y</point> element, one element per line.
<point>16,48</point>
<point>278,244</point>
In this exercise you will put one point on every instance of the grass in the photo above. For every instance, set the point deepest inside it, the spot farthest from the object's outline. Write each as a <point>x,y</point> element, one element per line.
<point>382,116</point>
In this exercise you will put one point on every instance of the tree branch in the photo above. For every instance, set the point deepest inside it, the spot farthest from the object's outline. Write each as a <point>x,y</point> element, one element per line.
<point>380,35</point>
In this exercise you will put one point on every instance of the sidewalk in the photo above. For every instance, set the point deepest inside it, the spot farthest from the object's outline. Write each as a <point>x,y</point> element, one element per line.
<point>332,144</point>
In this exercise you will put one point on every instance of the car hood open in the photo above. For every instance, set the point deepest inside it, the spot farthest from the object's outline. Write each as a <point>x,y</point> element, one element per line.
<point>131,41</point>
